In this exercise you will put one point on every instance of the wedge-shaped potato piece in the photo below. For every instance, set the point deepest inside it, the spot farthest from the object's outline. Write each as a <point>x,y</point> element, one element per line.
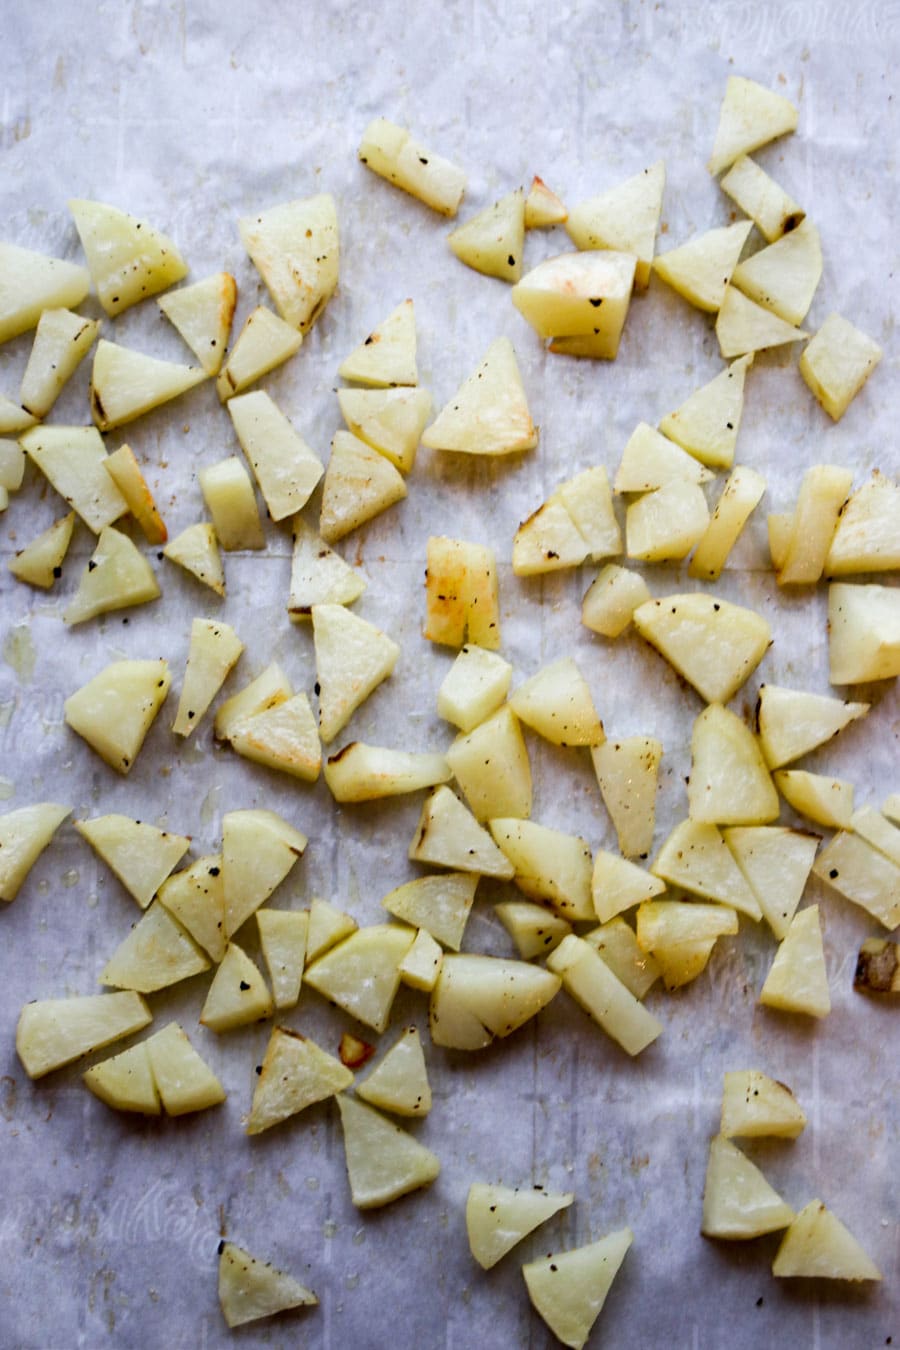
<point>776,862</point>
<point>569,1289</point>
<point>296,249</point>
<point>282,937</point>
<point>319,576</point>
<point>729,782</point>
<point>837,362</point>
<point>61,343</point>
<point>202,313</point>
<point>125,1082</point>
<point>872,826</point>
<point>387,357</point>
<point>114,711</point>
<point>156,953</point>
<point>707,423</point>
<point>543,208</point>
<point>196,549</point>
<point>493,241</point>
<point>738,1202</point>
<point>784,277</point>
<point>535,930</point>
<point>579,299</point>
<point>359,484</point>
<point>594,987</point>
<point>823,492</point>
<point>867,538</point>
<point>196,898</point>
<point>439,904</point>
<point>696,857</point>
<point>740,496</point>
<point>743,326</point>
<point>264,342</point>
<point>125,383</point>
<point>55,1031</point>
<point>448,835</point>
<point>250,1289</point>
<point>383,1161</point>
<point>755,1106</point>
<point>283,737</point>
<point>140,855</point>
<point>213,653</point>
<point>259,848</point>
<point>352,659</point>
<point>627,772</point>
<point>474,687</point>
<point>228,493</point>
<point>328,926</point>
<point>588,500</point>
<point>791,723</point>
<point>488,414</point>
<point>391,152</point>
<point>651,460</point>
<point>74,461</point>
<point>117,576</point>
<point>238,994</point>
<point>680,936</point>
<point>712,643</point>
<point>12,465</point>
<point>126,473</point>
<point>498,1217</point>
<point>818,1246</point>
<point>361,974</point>
<point>611,599</point>
<point>128,259</point>
<point>797,980</point>
<point>489,993</point>
<point>617,885</point>
<point>549,865</point>
<point>362,773</point>
<point>663,526</point>
<point>461,594</point>
<point>750,116</point>
<point>877,967</point>
<point>683,962</point>
<point>701,269</point>
<point>625,217</point>
<point>615,943</point>
<point>390,420</point>
<point>827,801</point>
<point>184,1080</point>
<point>13,418</point>
<point>31,283</point>
<point>773,212</point>
<point>295,1074</point>
<point>286,469</point>
<point>24,834</point>
<point>270,689</point>
<point>399,1083</point>
<point>421,965</point>
<point>576,522</point>
<point>863,633</point>
<point>557,703</point>
<point>491,766</point>
<point>864,875</point>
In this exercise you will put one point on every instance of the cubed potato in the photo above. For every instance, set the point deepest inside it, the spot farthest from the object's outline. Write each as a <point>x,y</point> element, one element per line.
<point>493,241</point>
<point>863,633</point>
<point>128,259</point>
<point>125,383</point>
<point>579,295</point>
<point>837,362</point>
<point>296,250</point>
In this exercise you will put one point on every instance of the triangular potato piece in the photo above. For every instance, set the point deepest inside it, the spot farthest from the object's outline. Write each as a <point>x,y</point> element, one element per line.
<point>611,599</point>
<point>650,460</point>
<point>492,768</point>
<point>493,241</point>
<point>196,549</point>
<point>125,1082</point>
<point>61,342</point>
<point>588,500</point>
<point>282,937</point>
<point>250,1289</point>
<point>867,538</point>
<point>73,459</point>
<point>352,659</point>
<point>767,204</point>
<point>617,946</point>
<point>792,723</point>
<point>534,929</point>
<point>24,834</point>
<point>776,861</point>
<point>755,1106</point>
<point>498,1217</point>
<point>196,897</point>
<point>628,772</point>
<point>376,950</point>
<point>750,116</point>
<point>282,737</point>
<point>399,1083</point>
<point>625,217</point>
<point>128,259</point>
<point>126,473</point>
<point>784,276</point>
<point>268,690</point>
<point>114,711</point>
<point>729,782</point>
<point>488,414</point>
<point>359,484</point>
<point>743,326</point>
<point>569,1289</point>
<point>826,801</point>
<point>738,1202</point>
<point>797,980</point>
<point>543,208</point>
<point>701,269</point>
<point>818,1246</point>
<point>862,873</point>
<point>707,423</point>
<point>497,993</point>
<point>696,857</point>
<point>421,965</point>
<point>738,499</point>
<point>286,469</point>
<point>40,562</point>
<point>13,418</point>
<point>581,299</point>
<point>116,577</point>
<point>228,492</point>
<point>185,1081</point>
<point>214,651</point>
<point>837,362</point>
<point>295,1074</point>
<point>549,540</point>
<point>664,525</point>
<point>387,357</point>
<point>319,576</point>
<point>156,953</point>
<point>448,835</point>
<point>259,849</point>
<point>712,643</point>
<point>390,420</point>
<point>558,705</point>
<point>383,1161</point>
<point>617,885</point>
<point>295,248</point>
<point>361,773</point>
<point>125,384</point>
<point>202,313</point>
<point>439,904</point>
<point>328,926</point>
<point>874,828</point>
<point>31,283</point>
<point>474,687</point>
<point>264,342</point>
<point>140,855</point>
<point>237,995</point>
<point>53,1032</point>
<point>550,865</point>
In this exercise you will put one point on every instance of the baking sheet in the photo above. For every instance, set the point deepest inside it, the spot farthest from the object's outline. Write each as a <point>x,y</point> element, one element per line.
<point>191,115</point>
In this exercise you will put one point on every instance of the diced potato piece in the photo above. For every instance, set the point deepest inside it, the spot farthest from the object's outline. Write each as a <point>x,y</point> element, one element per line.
<point>439,904</point>
<point>286,469</point>
<point>784,276</point>
<point>250,1289</point>
<point>576,522</point>
<point>707,423</point>
<point>750,116</point>
<point>362,773</point>
<point>269,690</point>
<point>237,995</point>
<point>73,459</point>
<point>352,659</point>
<point>202,314</point>
<point>61,343</point>
<point>742,326</point>
<point>359,484</point>
<point>549,865</point>
<point>383,1161</point>
<point>116,577</point>
<point>391,152</point>
<point>712,643</point>
<point>617,885</point>
<point>391,421</point>
<point>488,414</point>
<point>755,1106</point>
<point>295,248</point>
<point>625,217</point>
<point>797,980</point>
<point>701,269</point>
<point>617,945</point>
<point>867,538</point>
<point>214,651</point>
<point>627,772</point>
<point>791,723</point>
<point>461,595</point>
<point>683,962</point>
<point>837,362</point>
<point>611,599</point>
<point>863,633</point>
<point>156,953</point>
<point>872,826</point>
<point>140,855</point>
<point>474,687</point>
<point>128,478</point>
<point>729,782</point>
<point>666,925</point>
<point>24,834</point>
<point>387,357</point>
<point>776,862</point>
<point>877,967</point>
<point>328,926</point>
<point>543,208</point>
<point>259,849</point>
<point>498,1217</point>
<point>536,931</point>
<point>282,937</point>
<point>55,1031</point>
<point>114,711</point>
<point>818,1246</point>
<point>579,295</point>
<point>195,896</point>
<point>228,493</point>
<point>557,703</point>
<point>448,835</point>
<point>738,1202</point>
<point>125,384</point>
<point>651,460</point>
<point>264,342</point>
<point>399,1083</point>
<point>770,208</point>
<point>125,1082</point>
<point>319,576</point>
<point>491,766</point>
<point>862,874</point>
<point>594,987</point>
<point>185,1081</point>
<point>421,965</point>
<point>493,241</point>
<point>296,1073</point>
<point>823,492</point>
<point>588,500</point>
<point>284,737</point>
<point>128,259</point>
<point>479,997</point>
<point>569,1289</point>
<point>739,498</point>
<point>663,526</point>
<point>31,283</point>
<point>361,974</point>
<point>196,549</point>
<point>696,857</point>
<point>827,801</point>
